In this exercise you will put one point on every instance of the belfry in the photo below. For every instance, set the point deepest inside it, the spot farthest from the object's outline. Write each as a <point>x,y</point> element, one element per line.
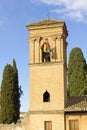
<point>48,66</point>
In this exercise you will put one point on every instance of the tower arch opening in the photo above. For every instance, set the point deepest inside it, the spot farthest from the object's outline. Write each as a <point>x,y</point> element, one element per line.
<point>46,97</point>
<point>45,51</point>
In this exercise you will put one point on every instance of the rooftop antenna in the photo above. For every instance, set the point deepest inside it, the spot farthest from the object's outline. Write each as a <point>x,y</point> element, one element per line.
<point>47,13</point>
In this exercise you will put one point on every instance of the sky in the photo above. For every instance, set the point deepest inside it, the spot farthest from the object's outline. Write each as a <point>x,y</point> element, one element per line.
<point>16,14</point>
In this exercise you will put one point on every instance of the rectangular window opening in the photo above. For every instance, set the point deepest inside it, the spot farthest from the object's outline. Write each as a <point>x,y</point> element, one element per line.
<point>73,125</point>
<point>48,125</point>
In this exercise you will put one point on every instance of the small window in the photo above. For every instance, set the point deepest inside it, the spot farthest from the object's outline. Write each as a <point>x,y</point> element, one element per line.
<point>48,125</point>
<point>46,97</point>
<point>73,125</point>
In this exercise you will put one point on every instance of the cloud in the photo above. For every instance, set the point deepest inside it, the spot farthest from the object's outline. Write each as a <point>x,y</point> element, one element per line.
<point>75,9</point>
<point>3,21</point>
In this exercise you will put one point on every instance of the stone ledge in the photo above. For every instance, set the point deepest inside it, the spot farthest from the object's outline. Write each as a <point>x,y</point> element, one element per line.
<point>47,112</point>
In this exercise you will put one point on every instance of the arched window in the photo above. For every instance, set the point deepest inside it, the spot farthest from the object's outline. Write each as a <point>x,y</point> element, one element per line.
<point>45,51</point>
<point>46,97</point>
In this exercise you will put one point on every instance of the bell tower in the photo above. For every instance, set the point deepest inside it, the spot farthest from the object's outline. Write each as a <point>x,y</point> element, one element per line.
<point>47,41</point>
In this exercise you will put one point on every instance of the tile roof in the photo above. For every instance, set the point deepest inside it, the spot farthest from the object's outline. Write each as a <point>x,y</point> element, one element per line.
<point>46,21</point>
<point>76,103</point>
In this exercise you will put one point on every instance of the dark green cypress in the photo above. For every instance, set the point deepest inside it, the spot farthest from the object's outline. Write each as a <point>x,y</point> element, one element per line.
<point>7,96</point>
<point>10,95</point>
<point>77,79</point>
<point>16,92</point>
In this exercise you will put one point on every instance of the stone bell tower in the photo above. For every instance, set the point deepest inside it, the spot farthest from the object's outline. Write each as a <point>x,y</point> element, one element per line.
<point>47,41</point>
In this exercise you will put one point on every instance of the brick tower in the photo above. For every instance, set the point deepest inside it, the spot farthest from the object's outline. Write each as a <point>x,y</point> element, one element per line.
<point>47,41</point>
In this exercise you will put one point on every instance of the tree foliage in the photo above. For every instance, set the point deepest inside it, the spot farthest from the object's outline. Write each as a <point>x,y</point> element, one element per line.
<point>17,92</point>
<point>77,74</point>
<point>10,95</point>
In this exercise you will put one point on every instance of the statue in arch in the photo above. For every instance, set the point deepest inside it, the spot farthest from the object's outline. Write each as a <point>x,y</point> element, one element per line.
<point>45,51</point>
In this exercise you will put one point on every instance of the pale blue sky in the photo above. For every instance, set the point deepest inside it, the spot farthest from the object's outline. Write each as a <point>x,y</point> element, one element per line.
<point>16,14</point>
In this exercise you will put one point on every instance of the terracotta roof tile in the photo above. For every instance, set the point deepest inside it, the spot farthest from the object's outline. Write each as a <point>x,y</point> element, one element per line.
<point>46,21</point>
<point>76,103</point>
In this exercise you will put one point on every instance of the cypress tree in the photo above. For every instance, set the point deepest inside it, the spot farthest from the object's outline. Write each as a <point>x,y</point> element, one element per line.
<point>7,96</point>
<point>77,79</point>
<point>17,92</point>
<point>10,95</point>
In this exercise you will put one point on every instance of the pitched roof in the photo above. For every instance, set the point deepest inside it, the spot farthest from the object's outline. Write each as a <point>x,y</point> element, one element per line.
<point>46,21</point>
<point>76,103</point>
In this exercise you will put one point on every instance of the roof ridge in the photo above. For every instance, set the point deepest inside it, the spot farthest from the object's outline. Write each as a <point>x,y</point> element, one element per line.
<point>45,21</point>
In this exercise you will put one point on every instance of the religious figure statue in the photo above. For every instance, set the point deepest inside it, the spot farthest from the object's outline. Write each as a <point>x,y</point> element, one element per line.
<point>45,51</point>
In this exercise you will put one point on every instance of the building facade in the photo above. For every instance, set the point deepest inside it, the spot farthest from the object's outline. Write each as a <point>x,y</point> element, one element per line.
<point>50,108</point>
